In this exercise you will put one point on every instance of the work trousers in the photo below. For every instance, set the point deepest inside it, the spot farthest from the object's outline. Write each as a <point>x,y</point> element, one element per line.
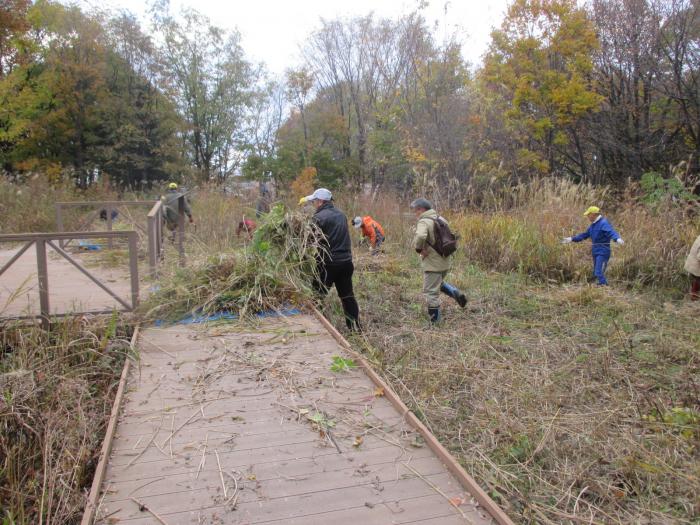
<point>600,264</point>
<point>431,287</point>
<point>340,275</point>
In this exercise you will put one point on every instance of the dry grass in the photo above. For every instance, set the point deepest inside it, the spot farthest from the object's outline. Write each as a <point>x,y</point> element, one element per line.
<point>57,392</point>
<point>29,207</point>
<point>522,232</point>
<point>525,238</point>
<point>568,404</point>
<point>216,216</point>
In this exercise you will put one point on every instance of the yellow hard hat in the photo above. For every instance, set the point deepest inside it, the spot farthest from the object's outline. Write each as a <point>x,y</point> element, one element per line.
<point>591,209</point>
<point>172,186</point>
<point>302,201</point>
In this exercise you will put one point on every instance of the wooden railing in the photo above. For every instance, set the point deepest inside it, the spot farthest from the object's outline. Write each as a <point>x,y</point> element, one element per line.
<point>154,226</point>
<point>155,236</point>
<point>59,240</point>
<point>44,240</point>
<point>98,206</point>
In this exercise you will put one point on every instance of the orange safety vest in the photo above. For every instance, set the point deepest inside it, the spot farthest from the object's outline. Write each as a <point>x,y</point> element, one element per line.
<point>370,228</point>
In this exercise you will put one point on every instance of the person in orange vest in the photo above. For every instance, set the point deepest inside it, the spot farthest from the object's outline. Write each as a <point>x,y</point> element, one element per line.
<point>372,230</point>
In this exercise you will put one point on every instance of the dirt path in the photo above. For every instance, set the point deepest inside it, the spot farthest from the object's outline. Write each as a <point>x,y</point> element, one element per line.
<point>233,424</point>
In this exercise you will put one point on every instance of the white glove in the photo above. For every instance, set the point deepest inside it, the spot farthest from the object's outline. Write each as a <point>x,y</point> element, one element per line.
<point>566,240</point>
<point>620,241</point>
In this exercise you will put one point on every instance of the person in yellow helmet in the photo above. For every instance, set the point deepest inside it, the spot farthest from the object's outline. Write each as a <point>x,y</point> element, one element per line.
<point>600,232</point>
<point>170,208</point>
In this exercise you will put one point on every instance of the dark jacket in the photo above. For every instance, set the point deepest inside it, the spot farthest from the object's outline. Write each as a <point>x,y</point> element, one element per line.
<point>334,226</point>
<point>171,206</point>
<point>601,233</point>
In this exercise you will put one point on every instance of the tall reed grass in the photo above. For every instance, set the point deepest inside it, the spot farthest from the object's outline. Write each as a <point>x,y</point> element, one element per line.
<point>30,206</point>
<point>522,233</point>
<point>56,391</point>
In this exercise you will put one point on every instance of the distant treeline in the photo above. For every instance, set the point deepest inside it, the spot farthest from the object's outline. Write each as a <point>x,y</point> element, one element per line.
<point>603,93</point>
<point>95,95</point>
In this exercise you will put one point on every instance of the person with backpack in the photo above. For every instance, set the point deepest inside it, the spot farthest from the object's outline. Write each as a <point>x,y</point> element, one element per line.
<point>435,244</point>
<point>372,230</point>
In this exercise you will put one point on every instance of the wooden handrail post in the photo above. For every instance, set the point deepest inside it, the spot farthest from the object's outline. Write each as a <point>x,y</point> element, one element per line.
<point>43,274</point>
<point>160,233</point>
<point>181,229</point>
<point>59,222</point>
<point>152,245</point>
<point>110,243</point>
<point>134,269</point>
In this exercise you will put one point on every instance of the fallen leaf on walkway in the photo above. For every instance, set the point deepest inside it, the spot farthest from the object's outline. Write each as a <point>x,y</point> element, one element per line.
<point>458,500</point>
<point>379,391</point>
<point>358,441</point>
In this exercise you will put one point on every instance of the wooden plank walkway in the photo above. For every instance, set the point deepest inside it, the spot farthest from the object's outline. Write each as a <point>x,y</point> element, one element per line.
<point>226,424</point>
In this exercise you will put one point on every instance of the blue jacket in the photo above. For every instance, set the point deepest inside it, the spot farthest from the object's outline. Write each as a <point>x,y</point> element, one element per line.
<point>601,233</point>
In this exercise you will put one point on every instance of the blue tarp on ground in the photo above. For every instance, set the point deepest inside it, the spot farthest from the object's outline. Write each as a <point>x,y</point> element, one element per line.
<point>86,245</point>
<point>227,316</point>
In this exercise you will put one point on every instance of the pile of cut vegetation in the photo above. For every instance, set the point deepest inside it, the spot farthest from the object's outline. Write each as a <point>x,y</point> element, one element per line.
<point>272,272</point>
<point>56,393</point>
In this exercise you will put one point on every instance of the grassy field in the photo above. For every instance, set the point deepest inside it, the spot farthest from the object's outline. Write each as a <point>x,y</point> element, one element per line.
<point>569,403</point>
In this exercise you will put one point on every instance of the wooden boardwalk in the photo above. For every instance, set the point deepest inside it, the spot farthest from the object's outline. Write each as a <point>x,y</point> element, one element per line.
<point>229,424</point>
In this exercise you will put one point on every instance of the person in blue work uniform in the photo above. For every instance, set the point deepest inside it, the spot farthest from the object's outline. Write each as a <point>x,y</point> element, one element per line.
<point>601,233</point>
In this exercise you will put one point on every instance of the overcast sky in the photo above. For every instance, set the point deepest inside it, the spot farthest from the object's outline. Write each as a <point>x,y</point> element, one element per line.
<point>272,30</point>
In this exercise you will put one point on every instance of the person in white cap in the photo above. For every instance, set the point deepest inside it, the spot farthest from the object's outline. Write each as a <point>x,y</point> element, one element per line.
<point>372,230</point>
<point>335,258</point>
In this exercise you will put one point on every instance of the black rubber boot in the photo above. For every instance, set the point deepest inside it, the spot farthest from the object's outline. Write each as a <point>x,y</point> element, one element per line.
<point>434,314</point>
<point>455,293</point>
<point>353,325</point>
